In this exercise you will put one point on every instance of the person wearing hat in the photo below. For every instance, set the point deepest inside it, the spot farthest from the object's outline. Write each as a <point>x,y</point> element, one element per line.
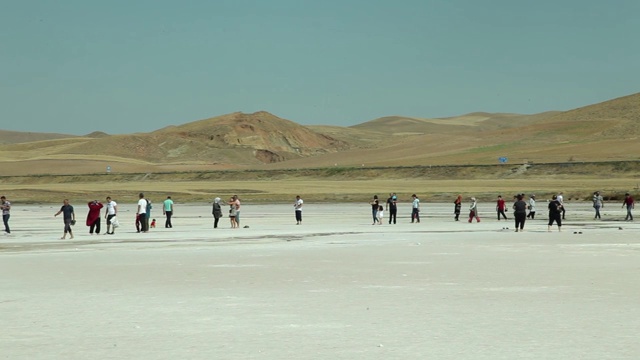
<point>532,207</point>
<point>630,204</point>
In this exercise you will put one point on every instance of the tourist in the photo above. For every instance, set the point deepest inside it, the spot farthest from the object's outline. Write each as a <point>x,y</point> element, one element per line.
<point>68,217</point>
<point>216,212</point>
<point>380,214</point>
<point>457,207</point>
<point>473,210</point>
<point>233,211</point>
<point>392,207</point>
<point>5,205</point>
<point>415,209</point>
<point>167,210</point>
<point>500,207</point>
<point>532,207</point>
<point>555,213</point>
<point>630,204</point>
<point>235,202</point>
<point>141,214</point>
<point>297,205</point>
<point>520,212</point>
<point>598,203</point>
<point>93,217</point>
<point>375,204</point>
<point>560,199</point>
<point>110,214</point>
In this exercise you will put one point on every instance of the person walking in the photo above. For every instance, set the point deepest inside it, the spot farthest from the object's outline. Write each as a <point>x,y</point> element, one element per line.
<point>630,204</point>
<point>392,207</point>
<point>555,213</point>
<point>110,214</point>
<point>297,205</point>
<point>598,203</point>
<point>142,213</point>
<point>68,217</point>
<point>520,212</point>
<point>374,208</point>
<point>5,205</point>
<point>216,212</point>
<point>532,207</point>
<point>457,207</point>
<point>473,210</point>
<point>167,210</point>
<point>93,217</point>
<point>500,207</point>
<point>415,209</point>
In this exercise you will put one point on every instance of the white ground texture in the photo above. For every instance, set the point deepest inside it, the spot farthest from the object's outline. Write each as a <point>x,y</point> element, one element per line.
<point>335,287</point>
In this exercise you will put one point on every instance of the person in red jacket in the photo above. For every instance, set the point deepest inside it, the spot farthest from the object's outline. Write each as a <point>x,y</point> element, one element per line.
<point>500,207</point>
<point>93,217</point>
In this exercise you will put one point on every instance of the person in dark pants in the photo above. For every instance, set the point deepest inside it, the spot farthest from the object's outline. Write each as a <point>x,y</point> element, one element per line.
<point>392,207</point>
<point>216,212</point>
<point>93,217</point>
<point>457,207</point>
<point>141,213</point>
<point>167,209</point>
<point>69,218</point>
<point>500,207</point>
<point>532,207</point>
<point>630,204</point>
<point>5,205</point>
<point>375,204</point>
<point>297,206</point>
<point>520,212</point>
<point>555,213</point>
<point>415,209</point>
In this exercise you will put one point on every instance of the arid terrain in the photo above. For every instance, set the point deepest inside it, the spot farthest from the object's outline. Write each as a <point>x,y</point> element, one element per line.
<point>581,150</point>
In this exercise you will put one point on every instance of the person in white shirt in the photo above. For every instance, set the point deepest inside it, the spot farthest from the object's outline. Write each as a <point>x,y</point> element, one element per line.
<point>110,213</point>
<point>415,209</point>
<point>297,205</point>
<point>380,214</point>
<point>532,207</point>
<point>142,214</point>
<point>560,199</point>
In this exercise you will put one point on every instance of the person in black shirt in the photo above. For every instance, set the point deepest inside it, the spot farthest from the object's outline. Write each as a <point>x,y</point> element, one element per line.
<point>520,212</point>
<point>392,207</point>
<point>555,213</point>
<point>69,218</point>
<point>374,208</point>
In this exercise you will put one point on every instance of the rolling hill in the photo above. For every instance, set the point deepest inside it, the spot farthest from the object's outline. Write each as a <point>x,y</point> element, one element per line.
<point>599,132</point>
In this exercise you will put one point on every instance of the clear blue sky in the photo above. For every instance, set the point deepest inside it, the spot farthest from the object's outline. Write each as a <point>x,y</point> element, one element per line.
<point>75,66</point>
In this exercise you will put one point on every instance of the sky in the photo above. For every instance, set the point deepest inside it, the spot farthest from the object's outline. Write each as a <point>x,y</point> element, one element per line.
<point>78,66</point>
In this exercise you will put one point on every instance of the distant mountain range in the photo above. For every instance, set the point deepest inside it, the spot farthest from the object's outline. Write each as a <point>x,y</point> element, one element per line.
<point>599,132</point>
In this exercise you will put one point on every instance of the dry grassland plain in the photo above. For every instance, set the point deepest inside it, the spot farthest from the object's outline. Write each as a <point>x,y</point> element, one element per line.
<point>329,185</point>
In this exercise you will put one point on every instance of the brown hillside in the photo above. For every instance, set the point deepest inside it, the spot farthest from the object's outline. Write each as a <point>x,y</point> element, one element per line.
<point>16,137</point>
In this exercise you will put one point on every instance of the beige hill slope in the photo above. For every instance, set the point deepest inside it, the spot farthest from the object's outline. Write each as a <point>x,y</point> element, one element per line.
<point>604,131</point>
<point>16,137</point>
